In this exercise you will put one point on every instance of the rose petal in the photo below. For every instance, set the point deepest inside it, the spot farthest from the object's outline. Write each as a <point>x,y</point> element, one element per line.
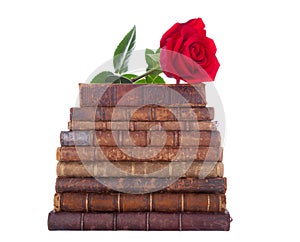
<point>196,23</point>
<point>173,30</point>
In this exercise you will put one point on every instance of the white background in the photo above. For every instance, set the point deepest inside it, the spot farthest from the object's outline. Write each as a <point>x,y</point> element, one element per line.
<point>48,47</point>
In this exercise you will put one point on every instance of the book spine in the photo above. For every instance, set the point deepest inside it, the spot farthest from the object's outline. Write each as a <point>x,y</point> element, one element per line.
<point>153,202</point>
<point>92,95</point>
<point>138,221</point>
<point>146,113</point>
<point>136,185</point>
<point>167,154</point>
<point>146,169</point>
<point>144,125</point>
<point>140,138</point>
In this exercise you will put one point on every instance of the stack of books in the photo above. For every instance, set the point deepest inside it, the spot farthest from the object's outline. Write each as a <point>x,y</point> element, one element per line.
<point>140,157</point>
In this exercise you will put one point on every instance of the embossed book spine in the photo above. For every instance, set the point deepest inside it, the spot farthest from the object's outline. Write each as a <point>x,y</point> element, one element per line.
<point>167,154</point>
<point>145,113</point>
<point>141,169</point>
<point>142,125</point>
<point>140,138</point>
<point>138,221</point>
<point>153,202</point>
<point>141,185</point>
<point>92,95</point>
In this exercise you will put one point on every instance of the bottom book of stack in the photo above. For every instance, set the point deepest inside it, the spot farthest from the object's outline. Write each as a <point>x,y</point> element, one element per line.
<point>138,221</point>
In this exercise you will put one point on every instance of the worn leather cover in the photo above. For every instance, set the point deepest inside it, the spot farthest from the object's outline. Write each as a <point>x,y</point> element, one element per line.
<point>145,113</point>
<point>146,221</point>
<point>139,185</point>
<point>142,125</point>
<point>209,154</point>
<point>110,95</point>
<point>140,138</point>
<point>153,202</point>
<point>149,169</point>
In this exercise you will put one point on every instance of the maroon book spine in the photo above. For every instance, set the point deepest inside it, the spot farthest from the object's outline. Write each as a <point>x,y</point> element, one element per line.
<point>146,221</point>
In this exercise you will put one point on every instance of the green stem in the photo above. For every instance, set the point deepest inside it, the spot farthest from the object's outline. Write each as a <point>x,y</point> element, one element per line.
<point>143,75</point>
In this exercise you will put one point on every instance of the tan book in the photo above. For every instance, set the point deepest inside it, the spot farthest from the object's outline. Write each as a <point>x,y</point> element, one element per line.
<point>92,95</point>
<point>142,125</point>
<point>141,185</point>
<point>145,113</point>
<point>167,154</point>
<point>148,169</point>
<point>140,138</point>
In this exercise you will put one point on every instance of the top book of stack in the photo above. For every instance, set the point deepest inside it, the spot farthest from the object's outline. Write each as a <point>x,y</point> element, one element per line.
<point>134,95</point>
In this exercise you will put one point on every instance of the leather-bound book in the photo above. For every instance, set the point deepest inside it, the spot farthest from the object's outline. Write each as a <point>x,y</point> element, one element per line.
<point>139,221</point>
<point>145,113</point>
<point>92,95</point>
<point>140,138</point>
<point>153,202</point>
<point>140,169</point>
<point>132,154</point>
<point>142,125</point>
<point>141,185</point>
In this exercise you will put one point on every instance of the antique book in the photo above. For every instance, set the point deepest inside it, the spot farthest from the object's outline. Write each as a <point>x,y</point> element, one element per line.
<point>139,221</point>
<point>141,185</point>
<point>140,138</point>
<point>140,169</point>
<point>92,95</point>
<point>145,113</point>
<point>142,125</point>
<point>81,153</point>
<point>150,202</point>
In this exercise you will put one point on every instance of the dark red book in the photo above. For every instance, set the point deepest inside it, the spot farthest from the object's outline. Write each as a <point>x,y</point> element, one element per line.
<point>138,221</point>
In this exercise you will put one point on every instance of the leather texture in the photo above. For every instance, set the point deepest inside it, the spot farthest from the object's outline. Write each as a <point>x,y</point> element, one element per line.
<point>146,221</point>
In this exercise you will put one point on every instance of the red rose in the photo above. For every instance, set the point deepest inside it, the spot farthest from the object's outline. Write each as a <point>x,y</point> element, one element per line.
<point>187,54</point>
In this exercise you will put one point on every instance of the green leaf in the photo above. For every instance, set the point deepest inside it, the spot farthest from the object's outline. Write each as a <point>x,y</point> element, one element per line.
<point>101,77</point>
<point>141,81</point>
<point>154,57</point>
<point>155,73</point>
<point>149,51</point>
<point>154,80</point>
<point>117,80</point>
<point>150,62</point>
<point>129,76</point>
<point>158,80</point>
<point>124,51</point>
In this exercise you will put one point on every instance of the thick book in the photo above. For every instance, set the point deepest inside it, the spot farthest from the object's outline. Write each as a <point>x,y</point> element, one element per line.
<point>151,202</point>
<point>139,221</point>
<point>142,125</point>
<point>81,153</point>
<point>141,185</point>
<point>145,113</point>
<point>92,95</point>
<point>140,138</point>
<point>140,169</point>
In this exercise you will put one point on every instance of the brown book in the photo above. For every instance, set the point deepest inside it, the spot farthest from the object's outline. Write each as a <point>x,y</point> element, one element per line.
<point>141,185</point>
<point>92,95</point>
<point>140,169</point>
<point>212,154</point>
<point>151,202</point>
<point>140,138</point>
<point>145,113</point>
<point>139,221</point>
<point>142,125</point>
